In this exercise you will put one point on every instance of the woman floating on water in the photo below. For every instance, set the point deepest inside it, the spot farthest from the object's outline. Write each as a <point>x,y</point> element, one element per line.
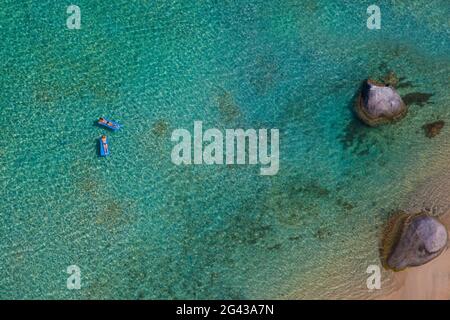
<point>104,148</point>
<point>109,124</point>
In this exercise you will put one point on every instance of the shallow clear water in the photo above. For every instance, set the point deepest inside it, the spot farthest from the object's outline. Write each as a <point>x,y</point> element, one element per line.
<point>139,226</point>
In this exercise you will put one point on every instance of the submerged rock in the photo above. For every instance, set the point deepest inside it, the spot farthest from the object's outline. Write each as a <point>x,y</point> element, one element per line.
<point>413,240</point>
<point>378,104</point>
<point>433,129</point>
<point>391,79</point>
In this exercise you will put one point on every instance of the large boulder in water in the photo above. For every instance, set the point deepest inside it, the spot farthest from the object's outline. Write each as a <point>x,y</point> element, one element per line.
<point>378,104</point>
<point>413,240</point>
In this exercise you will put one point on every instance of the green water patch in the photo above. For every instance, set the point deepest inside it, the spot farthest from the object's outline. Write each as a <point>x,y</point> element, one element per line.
<point>142,228</point>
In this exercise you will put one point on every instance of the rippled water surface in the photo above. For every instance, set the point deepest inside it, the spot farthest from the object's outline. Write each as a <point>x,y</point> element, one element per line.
<point>140,227</point>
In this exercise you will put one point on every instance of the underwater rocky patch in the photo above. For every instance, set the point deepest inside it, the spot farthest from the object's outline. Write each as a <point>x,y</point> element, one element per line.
<point>403,83</point>
<point>391,79</point>
<point>160,128</point>
<point>322,233</point>
<point>344,204</point>
<point>354,134</point>
<point>115,215</point>
<point>297,203</point>
<point>228,108</point>
<point>417,98</point>
<point>432,129</point>
<point>264,74</point>
<point>357,139</point>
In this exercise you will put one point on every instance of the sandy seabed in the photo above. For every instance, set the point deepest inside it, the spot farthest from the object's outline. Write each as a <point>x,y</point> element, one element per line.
<point>427,282</point>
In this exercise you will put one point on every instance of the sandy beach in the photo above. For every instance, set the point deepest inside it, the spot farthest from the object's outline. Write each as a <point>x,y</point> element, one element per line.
<point>428,282</point>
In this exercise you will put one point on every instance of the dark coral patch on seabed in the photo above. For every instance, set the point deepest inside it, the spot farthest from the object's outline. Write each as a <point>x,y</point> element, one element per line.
<point>354,134</point>
<point>417,98</point>
<point>432,129</point>
<point>160,127</point>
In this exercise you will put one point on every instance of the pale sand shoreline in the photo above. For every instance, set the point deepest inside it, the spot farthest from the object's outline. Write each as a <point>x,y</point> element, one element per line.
<point>428,282</point>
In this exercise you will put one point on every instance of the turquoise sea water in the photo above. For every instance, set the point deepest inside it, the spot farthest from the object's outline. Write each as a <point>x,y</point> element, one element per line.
<point>140,227</point>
